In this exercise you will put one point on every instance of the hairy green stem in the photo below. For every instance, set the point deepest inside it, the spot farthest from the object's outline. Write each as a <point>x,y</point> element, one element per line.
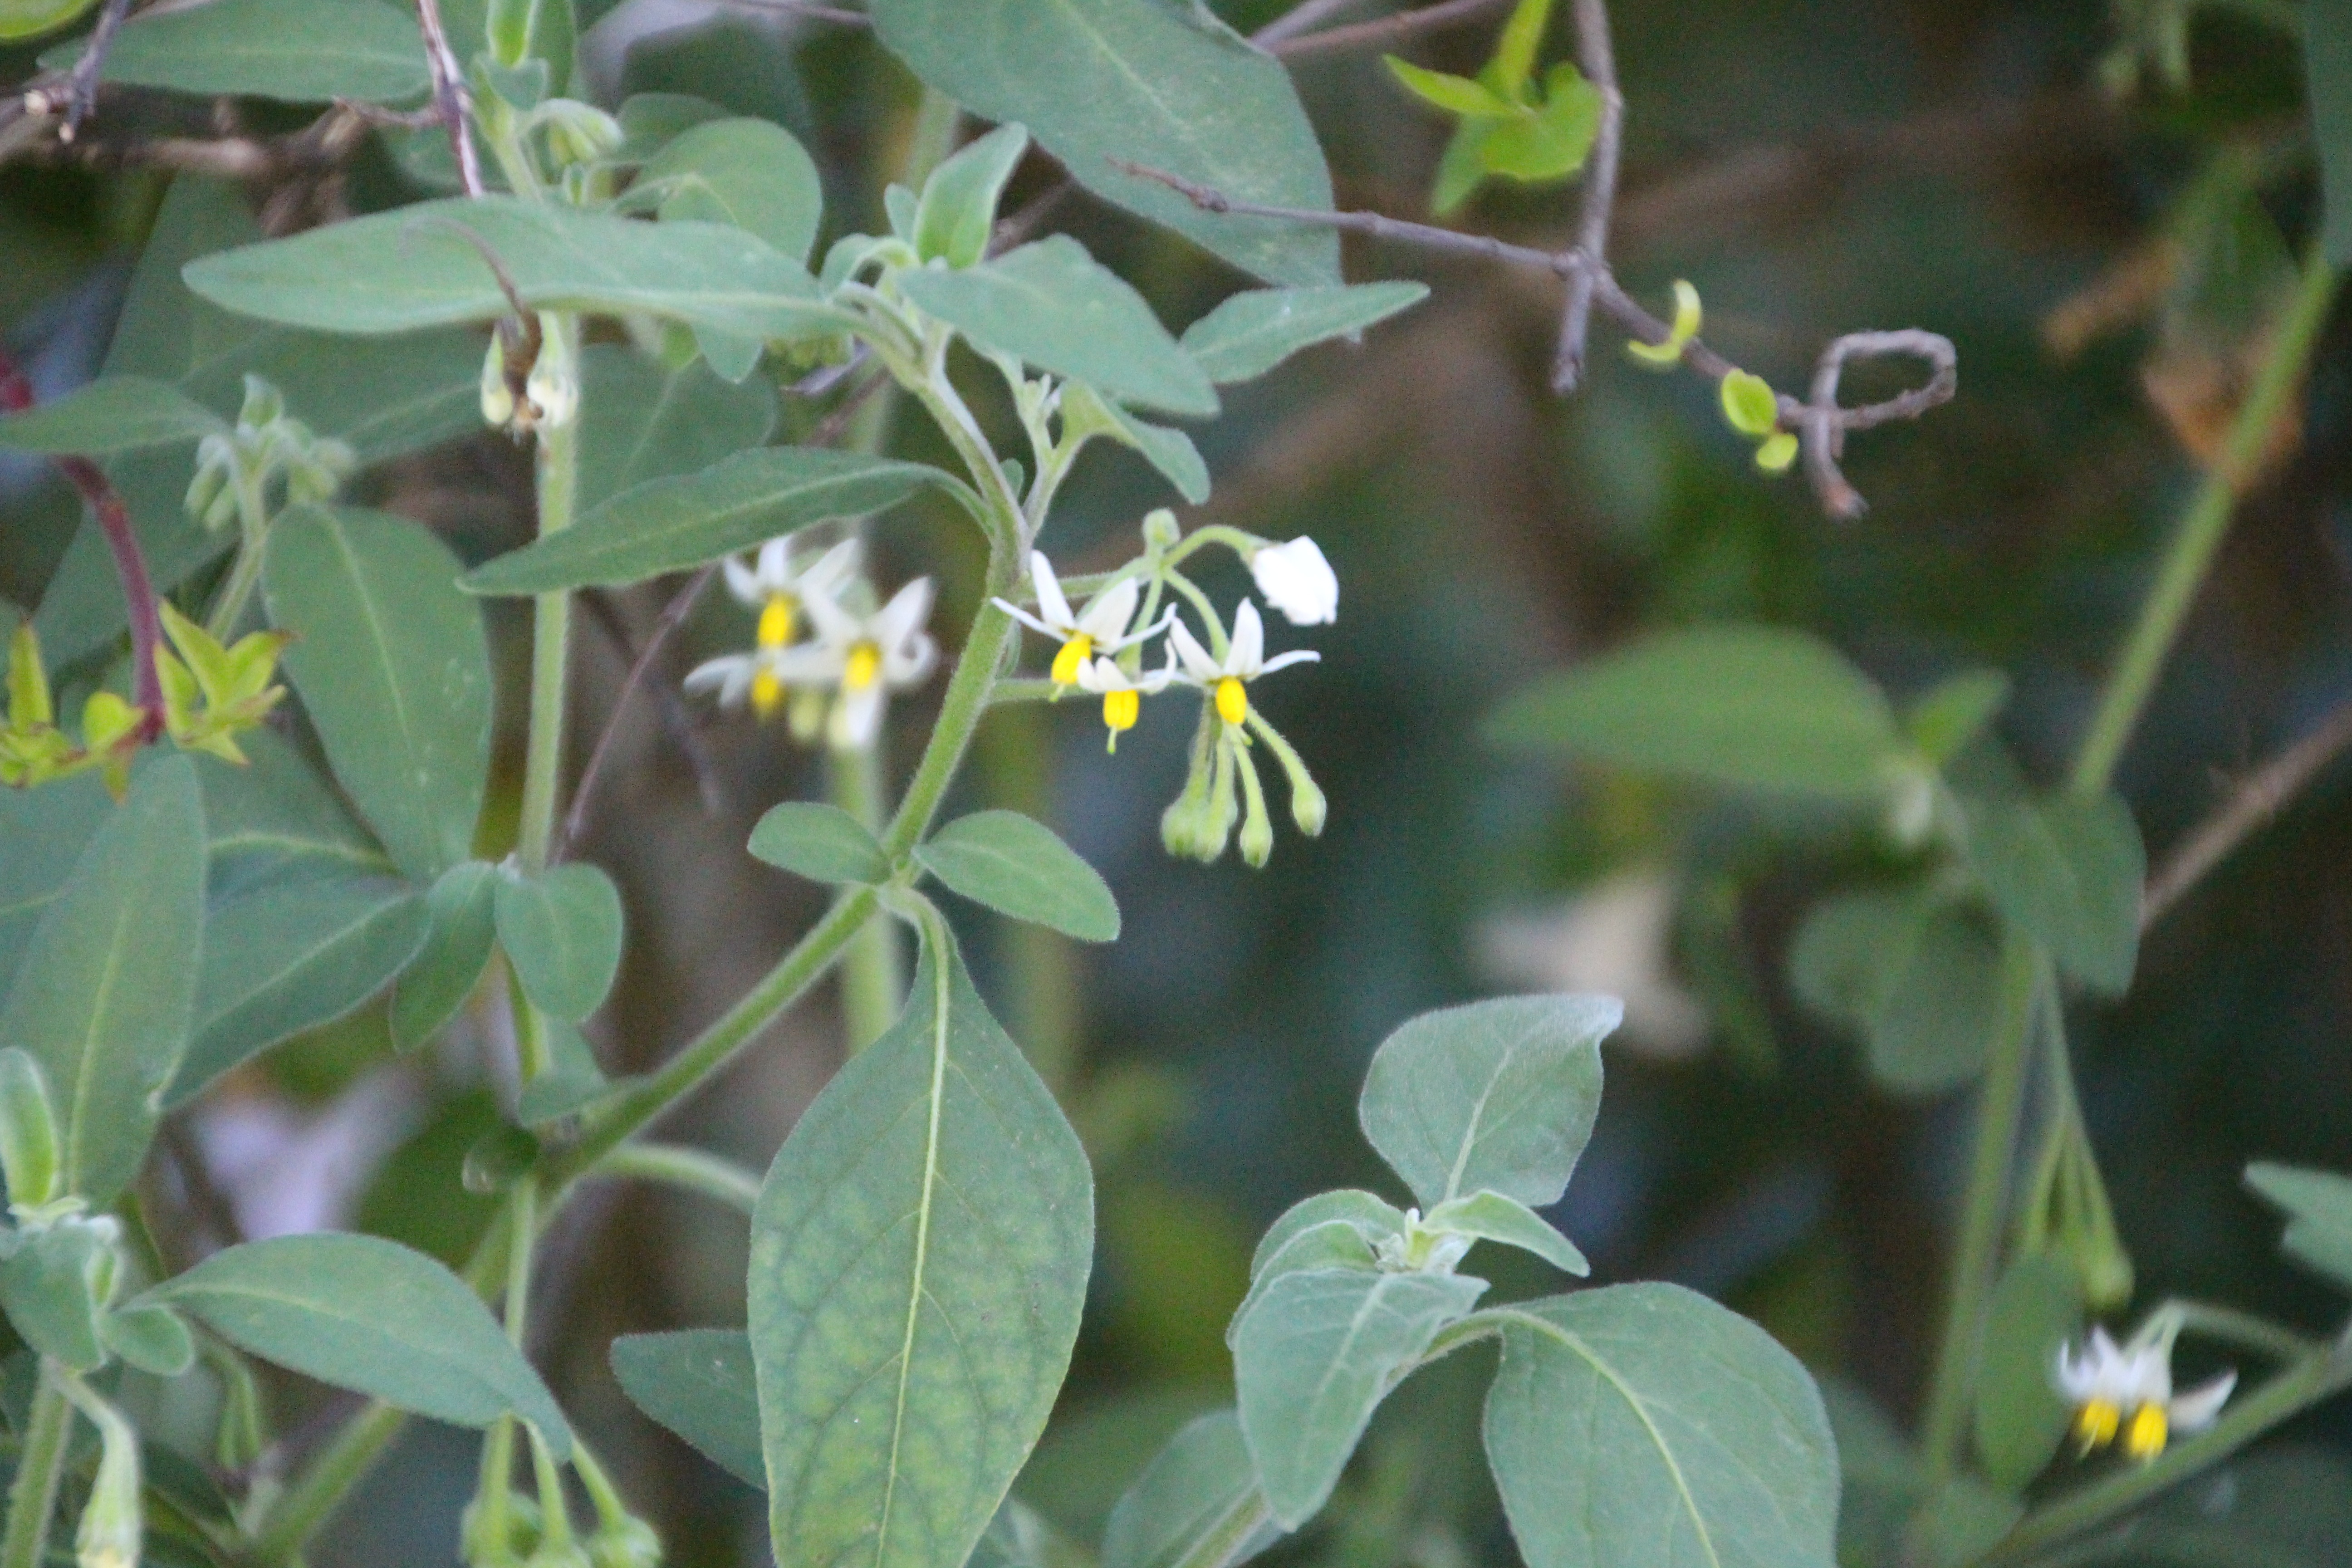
<point>40,1463</point>
<point>2201,529</point>
<point>550,630</point>
<point>689,1169</point>
<point>1976,1256</point>
<point>245,572</point>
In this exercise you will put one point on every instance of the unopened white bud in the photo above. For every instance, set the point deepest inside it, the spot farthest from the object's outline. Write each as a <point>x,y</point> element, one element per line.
<point>1296,580</point>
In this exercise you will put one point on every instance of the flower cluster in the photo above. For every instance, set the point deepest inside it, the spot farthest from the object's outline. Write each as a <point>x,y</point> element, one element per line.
<point>1102,650</point>
<point>839,678</point>
<point>2127,1390</point>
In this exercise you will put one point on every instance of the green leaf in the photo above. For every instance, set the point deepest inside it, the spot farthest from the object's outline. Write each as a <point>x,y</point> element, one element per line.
<point>640,421</point>
<point>562,931</point>
<point>1170,451</point>
<point>667,525</point>
<point>1102,82</point>
<point>1696,1441</point>
<point>1551,143</point>
<point>749,173</point>
<point>2035,1309</point>
<point>369,1315</point>
<point>1313,1358</point>
<point>1914,972</point>
<point>1251,332</point>
<point>1021,868</point>
<point>112,414</point>
<point>919,1260</point>
<point>1021,1537</point>
<point>1334,1243</point>
<point>299,51</point>
<point>42,832</point>
<point>21,19</point>
<point>2327,67</point>
<point>1750,404</point>
<point>461,926</point>
<point>1497,1095</point>
<point>49,1287</point>
<point>1954,712</point>
<point>413,266</point>
<point>1051,305</point>
<point>822,843</point>
<point>571,1082</point>
<point>1371,1217</point>
<point>2068,870</point>
<point>276,821</point>
<point>1748,707</point>
<point>1491,1216</point>
<point>2318,1206</point>
<point>699,1383</point>
<point>1959,1523</point>
<point>958,210</point>
<point>104,996</point>
<point>151,1338</point>
<point>1196,1505</point>
<point>393,666</point>
<point>1455,94</point>
<point>282,959</point>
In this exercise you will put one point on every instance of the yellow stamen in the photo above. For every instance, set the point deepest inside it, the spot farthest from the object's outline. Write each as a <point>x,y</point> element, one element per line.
<point>1119,711</point>
<point>1233,700</point>
<point>767,694</point>
<point>2144,1438</point>
<point>864,668</point>
<point>2096,1424</point>
<point>1072,660</point>
<point>776,621</point>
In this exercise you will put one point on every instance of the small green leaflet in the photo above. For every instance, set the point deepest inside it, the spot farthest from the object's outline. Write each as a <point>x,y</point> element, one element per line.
<point>1020,867</point>
<point>1697,1440</point>
<point>415,267</point>
<point>1371,1217</point>
<point>1914,971</point>
<point>299,51</point>
<point>1251,332</point>
<point>1491,1216</point>
<point>461,926</point>
<point>748,172</point>
<point>104,996</point>
<point>2035,1309</point>
<point>1168,450</point>
<point>1051,305</point>
<point>1196,1505</point>
<point>48,1287</point>
<point>919,1260</point>
<point>369,1315</point>
<point>1497,1096</point>
<point>2068,870</point>
<point>699,1383</point>
<point>1334,1243</point>
<point>2318,1205</point>
<point>114,414</point>
<point>394,667</point>
<point>1749,707</point>
<point>669,524</point>
<point>957,212</point>
<point>562,931</point>
<point>821,842</point>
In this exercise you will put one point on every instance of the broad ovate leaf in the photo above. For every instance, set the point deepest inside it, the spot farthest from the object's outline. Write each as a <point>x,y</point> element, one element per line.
<point>393,666</point>
<point>1645,1423</point>
<point>699,1383</point>
<point>2068,870</point>
<point>751,173</point>
<point>299,51</point>
<point>642,420</point>
<point>1914,971</point>
<point>560,929</point>
<point>1019,867</point>
<point>104,996</point>
<point>918,1260</point>
<point>112,414</point>
<point>1497,1096</point>
<point>1251,332</point>
<point>369,1315</point>
<point>821,842</point>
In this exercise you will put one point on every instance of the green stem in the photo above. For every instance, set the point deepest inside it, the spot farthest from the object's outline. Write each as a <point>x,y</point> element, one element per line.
<point>2244,1329</point>
<point>1975,1259</point>
<point>873,980</point>
<point>689,1169</point>
<point>2202,527</point>
<point>244,572</point>
<point>2291,1391</point>
<point>551,632</point>
<point>40,1463</point>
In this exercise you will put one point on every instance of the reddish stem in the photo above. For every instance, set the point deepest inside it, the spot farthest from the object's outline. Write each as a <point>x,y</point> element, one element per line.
<point>130,564</point>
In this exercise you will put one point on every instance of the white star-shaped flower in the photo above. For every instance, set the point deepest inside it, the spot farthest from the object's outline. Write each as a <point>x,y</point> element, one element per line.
<point>2128,1388</point>
<point>1099,628</point>
<point>780,591</point>
<point>1226,678</point>
<point>866,657</point>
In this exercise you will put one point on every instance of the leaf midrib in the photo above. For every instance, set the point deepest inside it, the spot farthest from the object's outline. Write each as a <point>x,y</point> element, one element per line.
<point>917,1288</point>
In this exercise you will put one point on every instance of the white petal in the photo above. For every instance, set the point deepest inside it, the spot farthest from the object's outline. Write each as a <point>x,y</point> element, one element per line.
<point>2197,1409</point>
<point>857,719</point>
<point>1105,620</point>
<point>831,570</point>
<point>1295,655</point>
<point>810,664</point>
<point>1100,674</point>
<point>1142,633</point>
<point>776,566</point>
<point>1296,580</point>
<point>904,616</point>
<point>1050,598</point>
<point>730,674</point>
<point>744,584</point>
<point>1024,617</point>
<point>836,628</point>
<point>2147,1372</point>
<point>1197,662</point>
<point>907,664</point>
<point>1248,651</point>
<point>2073,1376</point>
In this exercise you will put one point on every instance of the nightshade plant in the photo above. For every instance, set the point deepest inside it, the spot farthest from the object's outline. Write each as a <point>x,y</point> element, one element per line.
<point>622,292</point>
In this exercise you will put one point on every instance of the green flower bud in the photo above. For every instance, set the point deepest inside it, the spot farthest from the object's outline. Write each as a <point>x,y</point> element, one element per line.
<point>264,404</point>
<point>112,1524</point>
<point>497,397</point>
<point>1159,529</point>
<point>28,1133</point>
<point>1257,827</point>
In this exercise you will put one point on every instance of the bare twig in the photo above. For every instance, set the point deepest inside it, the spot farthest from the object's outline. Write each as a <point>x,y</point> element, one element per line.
<point>81,81</point>
<point>451,101</point>
<point>1821,423</point>
<point>129,564</point>
<point>2259,797</point>
<point>323,146</point>
<point>1388,30</point>
<point>835,423</point>
<point>1025,220</point>
<point>1598,58</point>
<point>1298,19</point>
<point>673,615</point>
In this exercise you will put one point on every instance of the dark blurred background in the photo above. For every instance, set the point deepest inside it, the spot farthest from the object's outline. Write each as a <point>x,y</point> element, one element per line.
<point>2105,266</point>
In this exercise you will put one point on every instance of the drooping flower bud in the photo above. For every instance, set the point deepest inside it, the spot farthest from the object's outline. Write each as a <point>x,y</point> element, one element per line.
<point>1296,580</point>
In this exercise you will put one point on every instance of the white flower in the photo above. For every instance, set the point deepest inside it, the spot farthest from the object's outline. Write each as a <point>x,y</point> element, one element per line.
<point>2129,1388</point>
<point>1123,694</point>
<point>779,591</point>
<point>1100,628</point>
<point>1297,581</point>
<point>867,657</point>
<point>1245,662</point>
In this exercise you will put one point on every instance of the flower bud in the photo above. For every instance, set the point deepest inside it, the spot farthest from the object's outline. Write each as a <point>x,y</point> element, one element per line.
<point>112,1526</point>
<point>211,479</point>
<point>1296,580</point>
<point>28,1133</point>
<point>1159,529</point>
<point>1257,827</point>
<point>554,384</point>
<point>497,397</point>
<point>264,404</point>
